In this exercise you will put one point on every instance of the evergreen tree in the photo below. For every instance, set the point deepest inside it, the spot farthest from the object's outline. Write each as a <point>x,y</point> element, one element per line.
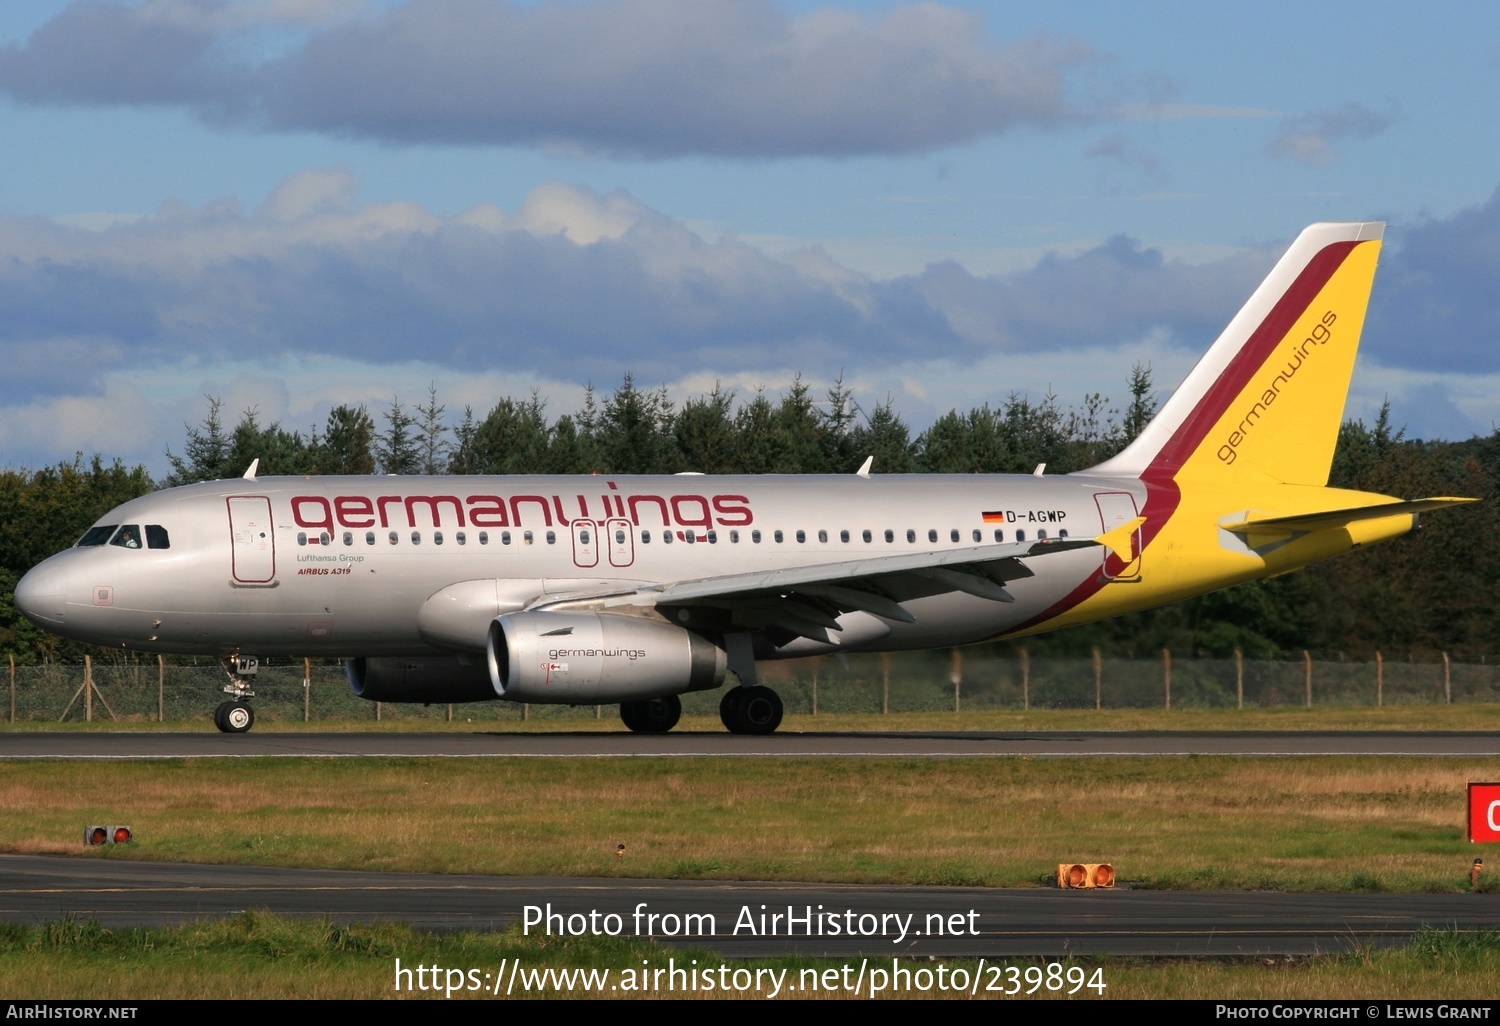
<point>347,445</point>
<point>397,449</point>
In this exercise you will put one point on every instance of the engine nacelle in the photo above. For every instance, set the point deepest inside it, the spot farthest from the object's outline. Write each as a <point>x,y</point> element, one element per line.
<point>597,658</point>
<point>427,679</point>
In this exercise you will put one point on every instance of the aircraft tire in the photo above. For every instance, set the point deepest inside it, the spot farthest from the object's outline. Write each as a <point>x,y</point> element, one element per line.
<point>219,716</point>
<point>652,715</point>
<point>754,710</point>
<point>238,717</point>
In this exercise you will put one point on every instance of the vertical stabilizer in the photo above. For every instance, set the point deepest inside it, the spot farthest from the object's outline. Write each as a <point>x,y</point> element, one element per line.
<point>1268,398</point>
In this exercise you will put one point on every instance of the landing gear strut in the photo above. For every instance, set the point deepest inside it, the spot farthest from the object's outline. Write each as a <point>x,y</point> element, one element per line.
<point>751,710</point>
<point>652,715</point>
<point>235,716</point>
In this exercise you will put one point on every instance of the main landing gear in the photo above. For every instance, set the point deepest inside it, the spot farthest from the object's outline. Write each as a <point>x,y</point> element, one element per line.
<point>652,715</point>
<point>235,716</point>
<point>751,710</point>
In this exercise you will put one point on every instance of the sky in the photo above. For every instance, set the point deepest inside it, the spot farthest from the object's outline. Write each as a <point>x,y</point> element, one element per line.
<point>291,204</point>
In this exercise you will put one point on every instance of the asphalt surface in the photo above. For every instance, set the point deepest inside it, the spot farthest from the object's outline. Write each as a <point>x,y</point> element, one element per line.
<point>619,744</point>
<point>827,919</point>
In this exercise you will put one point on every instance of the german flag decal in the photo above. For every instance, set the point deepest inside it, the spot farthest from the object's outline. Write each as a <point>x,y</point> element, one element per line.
<point>994,516</point>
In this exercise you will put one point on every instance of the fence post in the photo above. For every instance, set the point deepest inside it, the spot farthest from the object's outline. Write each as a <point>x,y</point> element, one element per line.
<point>1098,679</point>
<point>1025,679</point>
<point>1239,679</point>
<point>161,681</point>
<point>1307,678</point>
<point>1379,680</point>
<point>12,689</point>
<point>1166,675</point>
<point>885,683</point>
<point>306,689</point>
<point>817,664</point>
<point>1447,681</point>
<point>956,675</point>
<point>88,689</point>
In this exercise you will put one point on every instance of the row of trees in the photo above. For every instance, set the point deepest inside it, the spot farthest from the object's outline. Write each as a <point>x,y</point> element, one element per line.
<point>637,431</point>
<point>1425,593</point>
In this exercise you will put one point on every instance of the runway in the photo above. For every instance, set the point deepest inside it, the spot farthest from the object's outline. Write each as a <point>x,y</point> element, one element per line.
<point>622,744</point>
<point>734,918</point>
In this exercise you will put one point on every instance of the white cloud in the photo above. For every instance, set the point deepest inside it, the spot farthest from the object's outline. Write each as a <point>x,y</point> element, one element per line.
<point>651,78</point>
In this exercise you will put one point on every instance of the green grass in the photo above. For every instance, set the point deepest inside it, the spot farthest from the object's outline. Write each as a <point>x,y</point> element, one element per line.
<point>259,955</point>
<point>1312,824</point>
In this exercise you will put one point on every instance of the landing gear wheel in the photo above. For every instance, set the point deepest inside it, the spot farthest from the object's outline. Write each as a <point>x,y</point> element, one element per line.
<point>752,710</point>
<point>234,717</point>
<point>652,715</point>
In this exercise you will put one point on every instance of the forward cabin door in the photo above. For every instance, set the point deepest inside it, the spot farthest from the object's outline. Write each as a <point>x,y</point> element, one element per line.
<point>252,541</point>
<point>1116,508</point>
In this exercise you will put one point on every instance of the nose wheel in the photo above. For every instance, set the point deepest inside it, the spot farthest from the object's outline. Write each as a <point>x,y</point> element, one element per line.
<point>234,717</point>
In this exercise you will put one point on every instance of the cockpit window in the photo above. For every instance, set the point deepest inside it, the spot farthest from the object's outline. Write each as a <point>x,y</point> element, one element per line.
<point>156,537</point>
<point>97,535</point>
<point>127,537</point>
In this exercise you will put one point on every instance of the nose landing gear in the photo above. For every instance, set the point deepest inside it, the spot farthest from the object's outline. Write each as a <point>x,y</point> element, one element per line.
<point>235,716</point>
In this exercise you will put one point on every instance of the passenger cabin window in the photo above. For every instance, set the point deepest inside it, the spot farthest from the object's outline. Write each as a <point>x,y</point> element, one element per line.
<point>890,535</point>
<point>127,537</point>
<point>823,537</point>
<point>348,538</point>
<point>755,537</point>
<point>932,536</point>
<point>369,537</point>
<point>156,537</point>
<point>97,535</point>
<point>977,535</point>
<point>866,535</point>
<point>777,536</point>
<point>953,535</point>
<point>801,537</point>
<point>911,535</point>
<point>437,537</point>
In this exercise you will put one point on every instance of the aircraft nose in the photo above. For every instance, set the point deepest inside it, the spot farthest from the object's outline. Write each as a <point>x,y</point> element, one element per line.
<point>42,594</point>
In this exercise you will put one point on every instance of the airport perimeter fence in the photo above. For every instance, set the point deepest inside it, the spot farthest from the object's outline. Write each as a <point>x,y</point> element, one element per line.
<point>861,683</point>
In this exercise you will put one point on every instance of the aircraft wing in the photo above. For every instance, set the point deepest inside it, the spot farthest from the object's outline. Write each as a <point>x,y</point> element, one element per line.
<point>806,601</point>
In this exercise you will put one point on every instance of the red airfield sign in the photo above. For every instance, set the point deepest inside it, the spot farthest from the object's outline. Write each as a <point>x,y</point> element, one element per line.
<point>1484,812</point>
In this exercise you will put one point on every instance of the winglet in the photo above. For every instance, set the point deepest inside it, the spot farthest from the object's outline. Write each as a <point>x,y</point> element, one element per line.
<point>864,470</point>
<point>1120,540</point>
<point>250,474</point>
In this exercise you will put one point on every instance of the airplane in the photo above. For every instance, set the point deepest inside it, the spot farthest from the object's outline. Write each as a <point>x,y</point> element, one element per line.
<point>607,589</point>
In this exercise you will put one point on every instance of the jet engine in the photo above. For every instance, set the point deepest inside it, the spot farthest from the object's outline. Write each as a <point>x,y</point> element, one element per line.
<point>597,658</point>
<point>426,679</point>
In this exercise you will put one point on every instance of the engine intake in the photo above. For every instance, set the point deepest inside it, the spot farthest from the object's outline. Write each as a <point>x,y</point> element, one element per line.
<point>582,658</point>
<point>430,680</point>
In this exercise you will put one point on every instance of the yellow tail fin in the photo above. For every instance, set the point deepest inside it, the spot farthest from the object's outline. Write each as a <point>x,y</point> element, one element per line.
<point>1268,398</point>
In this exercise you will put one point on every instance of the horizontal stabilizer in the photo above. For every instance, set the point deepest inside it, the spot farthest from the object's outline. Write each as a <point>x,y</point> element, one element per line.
<point>1339,517</point>
<point>1120,540</point>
